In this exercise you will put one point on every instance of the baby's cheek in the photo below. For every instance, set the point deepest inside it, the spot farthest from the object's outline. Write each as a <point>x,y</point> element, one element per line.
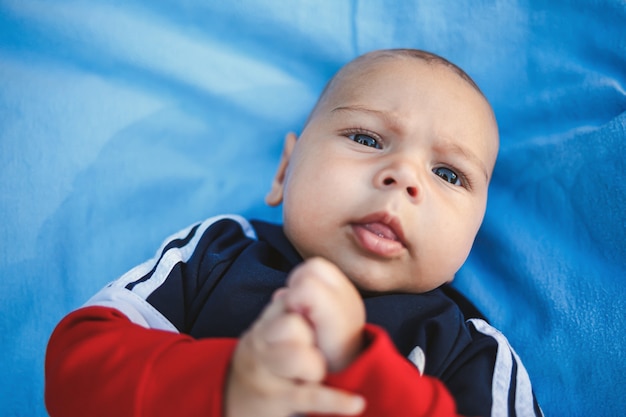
<point>297,230</point>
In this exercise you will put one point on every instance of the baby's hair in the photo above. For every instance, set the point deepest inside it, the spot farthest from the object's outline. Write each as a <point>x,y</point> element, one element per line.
<point>426,56</point>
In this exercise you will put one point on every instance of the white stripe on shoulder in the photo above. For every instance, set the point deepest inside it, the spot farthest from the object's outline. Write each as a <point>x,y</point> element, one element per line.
<point>138,310</point>
<point>524,400</point>
<point>144,268</point>
<point>175,255</point>
<point>133,303</point>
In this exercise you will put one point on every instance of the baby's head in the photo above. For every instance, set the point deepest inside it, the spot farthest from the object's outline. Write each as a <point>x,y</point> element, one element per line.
<point>389,177</point>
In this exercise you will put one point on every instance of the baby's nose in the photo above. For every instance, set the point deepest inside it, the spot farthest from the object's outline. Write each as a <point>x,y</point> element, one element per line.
<point>402,176</point>
<point>410,189</point>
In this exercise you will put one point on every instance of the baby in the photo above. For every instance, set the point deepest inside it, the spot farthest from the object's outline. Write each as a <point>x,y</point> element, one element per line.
<point>383,193</point>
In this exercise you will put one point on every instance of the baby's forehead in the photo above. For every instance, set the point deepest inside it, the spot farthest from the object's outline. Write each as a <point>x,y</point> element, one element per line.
<point>364,68</point>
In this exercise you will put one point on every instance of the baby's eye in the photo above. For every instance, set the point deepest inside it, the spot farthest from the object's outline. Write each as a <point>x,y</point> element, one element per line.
<point>365,140</point>
<point>448,175</point>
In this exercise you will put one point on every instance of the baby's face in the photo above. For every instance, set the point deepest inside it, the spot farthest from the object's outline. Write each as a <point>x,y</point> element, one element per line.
<point>389,178</point>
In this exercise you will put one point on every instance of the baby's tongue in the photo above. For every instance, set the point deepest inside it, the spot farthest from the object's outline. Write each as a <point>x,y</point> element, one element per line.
<point>381,229</point>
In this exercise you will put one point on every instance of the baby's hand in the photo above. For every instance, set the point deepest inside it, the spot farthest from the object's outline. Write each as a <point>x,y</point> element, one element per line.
<point>277,371</point>
<point>329,301</point>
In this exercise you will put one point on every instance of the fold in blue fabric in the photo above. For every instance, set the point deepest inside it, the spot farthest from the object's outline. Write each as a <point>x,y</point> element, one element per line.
<point>122,122</point>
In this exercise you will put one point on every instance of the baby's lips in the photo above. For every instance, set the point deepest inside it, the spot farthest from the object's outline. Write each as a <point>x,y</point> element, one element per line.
<point>384,225</point>
<point>382,230</point>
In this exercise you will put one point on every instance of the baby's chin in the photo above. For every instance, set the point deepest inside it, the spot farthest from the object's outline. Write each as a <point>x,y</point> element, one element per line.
<point>379,277</point>
<point>370,284</point>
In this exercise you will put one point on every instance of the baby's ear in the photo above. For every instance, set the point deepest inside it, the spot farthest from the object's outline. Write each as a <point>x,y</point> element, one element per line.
<point>275,196</point>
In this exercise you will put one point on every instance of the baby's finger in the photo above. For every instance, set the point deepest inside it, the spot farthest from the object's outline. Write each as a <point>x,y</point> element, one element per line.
<point>321,269</point>
<point>316,287</point>
<point>296,363</point>
<point>285,345</point>
<point>287,328</point>
<point>279,293</point>
<point>320,399</point>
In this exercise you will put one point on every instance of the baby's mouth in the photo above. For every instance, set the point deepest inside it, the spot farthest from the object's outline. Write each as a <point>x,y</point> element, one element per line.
<point>381,230</point>
<point>380,234</point>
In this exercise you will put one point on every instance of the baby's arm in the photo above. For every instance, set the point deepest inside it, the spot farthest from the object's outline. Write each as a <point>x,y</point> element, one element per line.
<point>99,363</point>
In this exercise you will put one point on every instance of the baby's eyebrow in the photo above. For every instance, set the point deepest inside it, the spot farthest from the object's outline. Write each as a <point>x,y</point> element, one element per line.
<point>390,121</point>
<point>454,148</point>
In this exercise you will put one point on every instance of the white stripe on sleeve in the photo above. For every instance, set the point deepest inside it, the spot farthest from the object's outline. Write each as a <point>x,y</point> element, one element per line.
<point>175,255</point>
<point>133,303</point>
<point>524,400</point>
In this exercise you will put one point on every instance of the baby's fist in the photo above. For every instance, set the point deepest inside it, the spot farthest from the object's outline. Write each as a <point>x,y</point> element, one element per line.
<point>319,291</point>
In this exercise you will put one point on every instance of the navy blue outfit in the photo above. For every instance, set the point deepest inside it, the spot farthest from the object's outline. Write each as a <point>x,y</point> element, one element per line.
<point>214,278</point>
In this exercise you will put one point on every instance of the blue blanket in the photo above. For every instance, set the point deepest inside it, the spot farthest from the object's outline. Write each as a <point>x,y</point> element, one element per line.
<point>122,122</point>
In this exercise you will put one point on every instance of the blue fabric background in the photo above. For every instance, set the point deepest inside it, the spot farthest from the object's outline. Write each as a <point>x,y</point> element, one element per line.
<point>124,121</point>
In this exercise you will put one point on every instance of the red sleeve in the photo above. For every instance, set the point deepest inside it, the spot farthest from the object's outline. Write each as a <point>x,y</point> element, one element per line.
<point>391,385</point>
<point>98,363</point>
